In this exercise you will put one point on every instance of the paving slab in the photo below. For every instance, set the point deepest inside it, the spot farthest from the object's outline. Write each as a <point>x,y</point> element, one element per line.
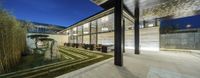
<point>146,65</point>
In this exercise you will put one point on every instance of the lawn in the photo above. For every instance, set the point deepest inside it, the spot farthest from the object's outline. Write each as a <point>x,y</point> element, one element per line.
<point>74,59</point>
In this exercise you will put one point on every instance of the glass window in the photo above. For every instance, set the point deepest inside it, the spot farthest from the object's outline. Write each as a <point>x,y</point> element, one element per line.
<point>104,19</point>
<point>93,39</point>
<point>86,39</point>
<point>74,32</point>
<point>80,39</point>
<point>80,30</point>
<point>128,24</point>
<point>106,23</point>
<point>93,26</point>
<point>86,28</point>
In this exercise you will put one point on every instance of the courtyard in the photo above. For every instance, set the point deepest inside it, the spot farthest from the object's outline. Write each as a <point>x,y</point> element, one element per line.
<point>164,64</point>
<point>100,39</point>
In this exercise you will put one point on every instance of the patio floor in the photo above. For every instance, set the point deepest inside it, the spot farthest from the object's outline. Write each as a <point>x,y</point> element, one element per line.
<point>146,65</point>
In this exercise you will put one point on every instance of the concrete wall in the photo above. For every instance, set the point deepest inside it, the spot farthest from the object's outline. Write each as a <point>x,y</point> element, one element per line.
<point>190,41</point>
<point>149,39</point>
<point>61,39</point>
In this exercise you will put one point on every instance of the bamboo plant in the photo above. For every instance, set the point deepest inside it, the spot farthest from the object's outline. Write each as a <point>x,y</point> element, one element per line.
<point>12,41</point>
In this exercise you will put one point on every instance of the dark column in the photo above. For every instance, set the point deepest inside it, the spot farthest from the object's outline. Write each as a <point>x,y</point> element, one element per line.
<point>77,35</point>
<point>96,32</point>
<point>82,33</point>
<point>124,35</point>
<point>137,28</point>
<point>90,33</point>
<point>144,23</point>
<point>156,22</point>
<point>118,56</point>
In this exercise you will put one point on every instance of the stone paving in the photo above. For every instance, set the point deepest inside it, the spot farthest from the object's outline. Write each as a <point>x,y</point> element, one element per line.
<point>146,65</point>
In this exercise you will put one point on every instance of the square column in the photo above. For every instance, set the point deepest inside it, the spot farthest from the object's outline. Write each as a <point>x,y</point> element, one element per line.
<point>118,11</point>
<point>90,33</point>
<point>137,27</point>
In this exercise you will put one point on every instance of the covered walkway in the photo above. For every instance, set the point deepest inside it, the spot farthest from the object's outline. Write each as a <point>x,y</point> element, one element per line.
<point>146,65</point>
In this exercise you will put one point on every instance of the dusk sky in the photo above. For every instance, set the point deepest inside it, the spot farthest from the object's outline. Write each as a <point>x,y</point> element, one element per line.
<point>58,12</point>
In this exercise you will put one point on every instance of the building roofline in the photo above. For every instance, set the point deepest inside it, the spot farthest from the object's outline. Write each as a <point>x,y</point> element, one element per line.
<point>97,15</point>
<point>106,4</point>
<point>101,12</point>
<point>39,23</point>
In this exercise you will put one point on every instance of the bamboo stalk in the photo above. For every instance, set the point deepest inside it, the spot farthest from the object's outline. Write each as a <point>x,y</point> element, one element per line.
<point>12,41</point>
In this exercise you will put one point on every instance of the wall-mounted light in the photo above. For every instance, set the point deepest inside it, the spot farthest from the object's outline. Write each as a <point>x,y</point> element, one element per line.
<point>189,26</point>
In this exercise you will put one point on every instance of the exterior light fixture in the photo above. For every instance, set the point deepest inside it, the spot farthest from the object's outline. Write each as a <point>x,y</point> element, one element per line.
<point>189,26</point>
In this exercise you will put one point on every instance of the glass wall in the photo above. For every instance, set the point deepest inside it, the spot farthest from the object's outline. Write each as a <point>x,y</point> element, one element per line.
<point>94,31</point>
<point>86,32</point>
<point>129,34</point>
<point>71,38</point>
<point>80,34</point>
<point>68,35</point>
<point>105,29</point>
<point>86,28</point>
<point>86,39</point>
<point>74,34</point>
<point>106,38</point>
<point>106,23</point>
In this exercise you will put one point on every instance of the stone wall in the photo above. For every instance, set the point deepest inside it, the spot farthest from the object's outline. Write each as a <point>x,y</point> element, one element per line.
<point>189,41</point>
<point>61,39</point>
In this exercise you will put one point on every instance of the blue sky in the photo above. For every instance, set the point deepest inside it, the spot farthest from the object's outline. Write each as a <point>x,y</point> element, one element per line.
<point>58,12</point>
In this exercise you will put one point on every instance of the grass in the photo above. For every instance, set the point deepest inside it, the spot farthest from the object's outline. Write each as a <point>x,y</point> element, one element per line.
<point>77,66</point>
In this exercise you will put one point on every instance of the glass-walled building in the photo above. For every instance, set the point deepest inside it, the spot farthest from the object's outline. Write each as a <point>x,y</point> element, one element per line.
<point>99,28</point>
<point>101,31</point>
